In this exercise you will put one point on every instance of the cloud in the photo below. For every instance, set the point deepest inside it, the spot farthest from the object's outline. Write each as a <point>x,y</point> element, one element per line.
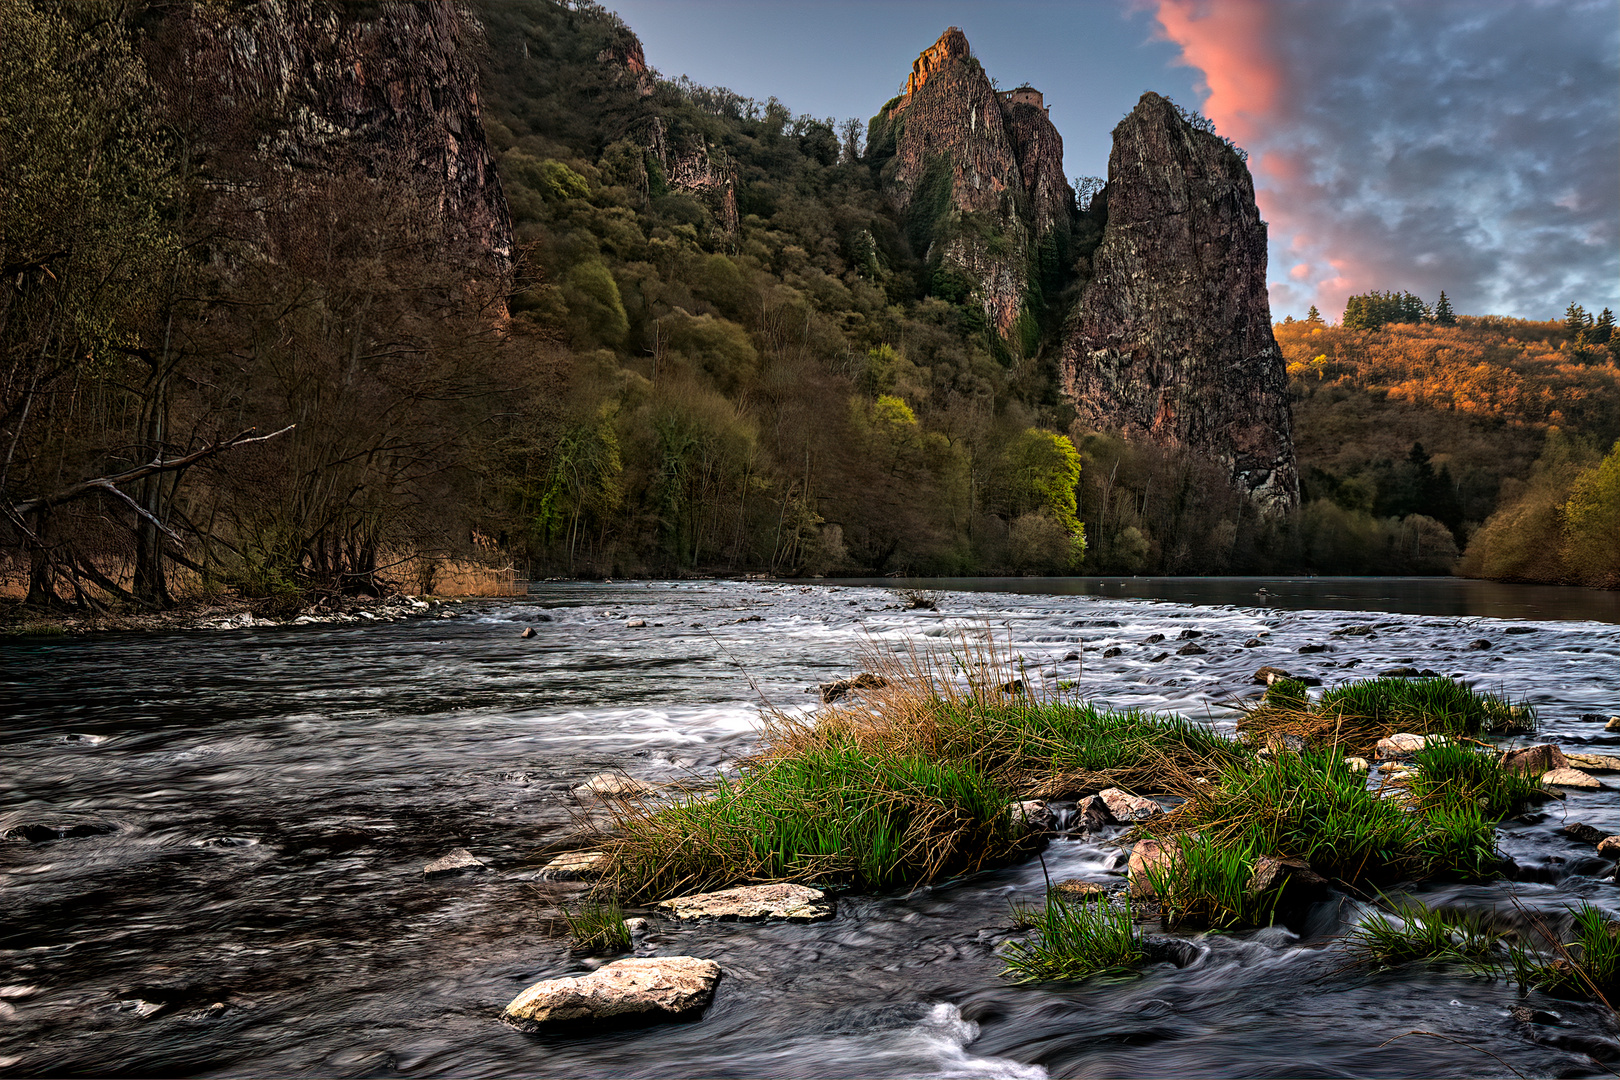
<point>1461,146</point>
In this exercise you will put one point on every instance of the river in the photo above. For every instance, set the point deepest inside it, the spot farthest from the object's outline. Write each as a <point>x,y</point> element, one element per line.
<point>255,806</point>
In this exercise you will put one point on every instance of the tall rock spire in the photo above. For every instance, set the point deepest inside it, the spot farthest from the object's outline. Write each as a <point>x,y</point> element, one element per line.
<point>1172,338</point>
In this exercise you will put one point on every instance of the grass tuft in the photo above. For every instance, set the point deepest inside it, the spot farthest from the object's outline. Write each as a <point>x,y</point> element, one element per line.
<point>1412,933</point>
<point>598,928</point>
<point>1073,939</point>
<point>1206,886</point>
<point>1353,717</point>
<point>1456,775</point>
<point>1586,967</point>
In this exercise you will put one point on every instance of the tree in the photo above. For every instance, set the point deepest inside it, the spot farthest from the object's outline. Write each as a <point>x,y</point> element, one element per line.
<point>1443,313</point>
<point>1576,320</point>
<point>1603,329</point>
<point>1314,316</point>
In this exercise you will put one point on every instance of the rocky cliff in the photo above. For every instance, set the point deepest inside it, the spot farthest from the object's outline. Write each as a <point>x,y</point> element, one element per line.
<point>1172,339</point>
<point>327,88</point>
<point>979,174</point>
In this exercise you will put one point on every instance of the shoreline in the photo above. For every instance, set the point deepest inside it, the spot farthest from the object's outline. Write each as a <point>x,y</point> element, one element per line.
<point>17,621</point>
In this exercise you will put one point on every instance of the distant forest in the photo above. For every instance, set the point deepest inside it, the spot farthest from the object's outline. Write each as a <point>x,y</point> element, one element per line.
<point>721,351</point>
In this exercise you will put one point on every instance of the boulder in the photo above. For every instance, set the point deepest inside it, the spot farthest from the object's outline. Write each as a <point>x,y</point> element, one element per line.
<point>611,783</point>
<point>1161,656</point>
<point>1252,643</point>
<point>1401,745</point>
<point>1594,762</point>
<point>1534,760</point>
<point>637,989</point>
<point>1192,649</point>
<point>575,865</point>
<point>1572,778</point>
<point>1150,856</point>
<point>1071,656</point>
<point>1609,847</point>
<point>1311,649</point>
<point>1290,876</point>
<point>1586,834</point>
<point>1613,724</point>
<point>795,903</point>
<point>528,632</point>
<point>1034,814</point>
<point>1113,806</point>
<point>1188,635</point>
<point>459,861</point>
<point>1357,764</point>
<point>832,691</point>
<point>1153,639</point>
<point>1075,889</point>
<point>1110,653</point>
<point>1268,675</point>
<point>635,624</point>
<point>1479,644</point>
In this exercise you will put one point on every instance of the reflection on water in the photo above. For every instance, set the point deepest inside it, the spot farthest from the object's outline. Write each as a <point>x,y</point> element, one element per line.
<point>246,815</point>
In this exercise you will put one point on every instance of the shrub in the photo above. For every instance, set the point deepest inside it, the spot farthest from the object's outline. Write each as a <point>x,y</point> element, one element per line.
<point>1074,939</point>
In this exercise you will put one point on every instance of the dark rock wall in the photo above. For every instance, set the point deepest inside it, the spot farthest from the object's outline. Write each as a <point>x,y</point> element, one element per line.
<point>328,87</point>
<point>1038,148</point>
<point>1172,339</point>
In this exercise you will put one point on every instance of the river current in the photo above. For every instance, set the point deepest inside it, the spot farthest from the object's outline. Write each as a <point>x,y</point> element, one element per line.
<point>244,815</point>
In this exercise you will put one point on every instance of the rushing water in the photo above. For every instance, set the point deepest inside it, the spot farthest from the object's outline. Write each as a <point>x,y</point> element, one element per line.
<point>259,804</point>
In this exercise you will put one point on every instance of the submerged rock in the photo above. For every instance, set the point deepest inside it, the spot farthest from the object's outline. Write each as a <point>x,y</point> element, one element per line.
<point>1479,644</point>
<point>1075,889</point>
<point>1534,760</point>
<point>1071,656</point>
<point>1192,649</point>
<point>610,783</point>
<point>636,989</point>
<point>1586,834</point>
<point>1572,778</point>
<point>45,834</point>
<point>1110,653</point>
<point>1594,762</point>
<point>1312,649</point>
<point>575,865</point>
<point>459,861</point>
<point>832,691</point>
<point>795,903</point>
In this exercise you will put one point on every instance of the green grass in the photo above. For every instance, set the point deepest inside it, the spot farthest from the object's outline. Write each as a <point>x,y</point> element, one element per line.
<point>1458,775</point>
<point>1207,886</point>
<point>1353,717</point>
<point>1586,967</point>
<point>1073,939</point>
<point>1412,933</point>
<point>598,927</point>
<point>836,815</point>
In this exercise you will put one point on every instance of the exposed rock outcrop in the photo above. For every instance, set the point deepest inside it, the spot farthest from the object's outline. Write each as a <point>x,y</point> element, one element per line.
<point>387,89</point>
<point>978,173</point>
<point>1172,339</point>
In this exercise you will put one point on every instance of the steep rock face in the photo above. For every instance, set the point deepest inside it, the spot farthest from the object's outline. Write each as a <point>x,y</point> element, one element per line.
<point>1172,339</point>
<point>959,171</point>
<point>380,88</point>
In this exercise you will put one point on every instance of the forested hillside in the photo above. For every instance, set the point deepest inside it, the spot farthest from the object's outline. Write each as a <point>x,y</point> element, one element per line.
<point>243,354</point>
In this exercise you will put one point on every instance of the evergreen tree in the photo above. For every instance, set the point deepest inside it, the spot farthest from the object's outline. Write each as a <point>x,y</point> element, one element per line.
<point>1575,320</point>
<point>1443,313</point>
<point>1602,330</point>
<point>1313,316</point>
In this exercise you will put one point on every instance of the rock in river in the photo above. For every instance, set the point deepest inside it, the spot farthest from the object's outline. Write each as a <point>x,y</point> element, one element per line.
<point>795,903</point>
<point>1149,857</point>
<point>832,691</point>
<point>1402,745</point>
<point>1112,805</point>
<point>609,783</point>
<point>459,861</point>
<point>1535,760</point>
<point>639,989</point>
<point>1571,778</point>
<point>1594,762</point>
<point>573,865</point>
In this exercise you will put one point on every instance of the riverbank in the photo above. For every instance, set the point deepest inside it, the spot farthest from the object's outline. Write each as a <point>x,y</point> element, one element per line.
<point>18,620</point>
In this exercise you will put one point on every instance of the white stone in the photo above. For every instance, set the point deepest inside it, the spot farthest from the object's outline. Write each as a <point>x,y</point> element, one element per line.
<point>796,903</point>
<point>1594,762</point>
<point>1571,778</point>
<point>659,987</point>
<point>459,861</point>
<point>1357,764</point>
<point>1401,745</point>
<point>572,865</point>
<point>610,783</point>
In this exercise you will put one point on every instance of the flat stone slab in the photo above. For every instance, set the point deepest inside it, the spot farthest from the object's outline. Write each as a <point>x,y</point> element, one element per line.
<point>574,865</point>
<point>1075,889</point>
<point>1571,778</point>
<point>1594,762</point>
<point>459,861</point>
<point>795,903</point>
<point>636,989</point>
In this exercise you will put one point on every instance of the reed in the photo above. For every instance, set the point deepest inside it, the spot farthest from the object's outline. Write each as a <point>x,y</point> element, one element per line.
<point>1410,932</point>
<point>598,927</point>
<point>1353,717</point>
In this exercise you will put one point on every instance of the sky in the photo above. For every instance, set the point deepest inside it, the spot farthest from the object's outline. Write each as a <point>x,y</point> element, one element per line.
<point>1417,145</point>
